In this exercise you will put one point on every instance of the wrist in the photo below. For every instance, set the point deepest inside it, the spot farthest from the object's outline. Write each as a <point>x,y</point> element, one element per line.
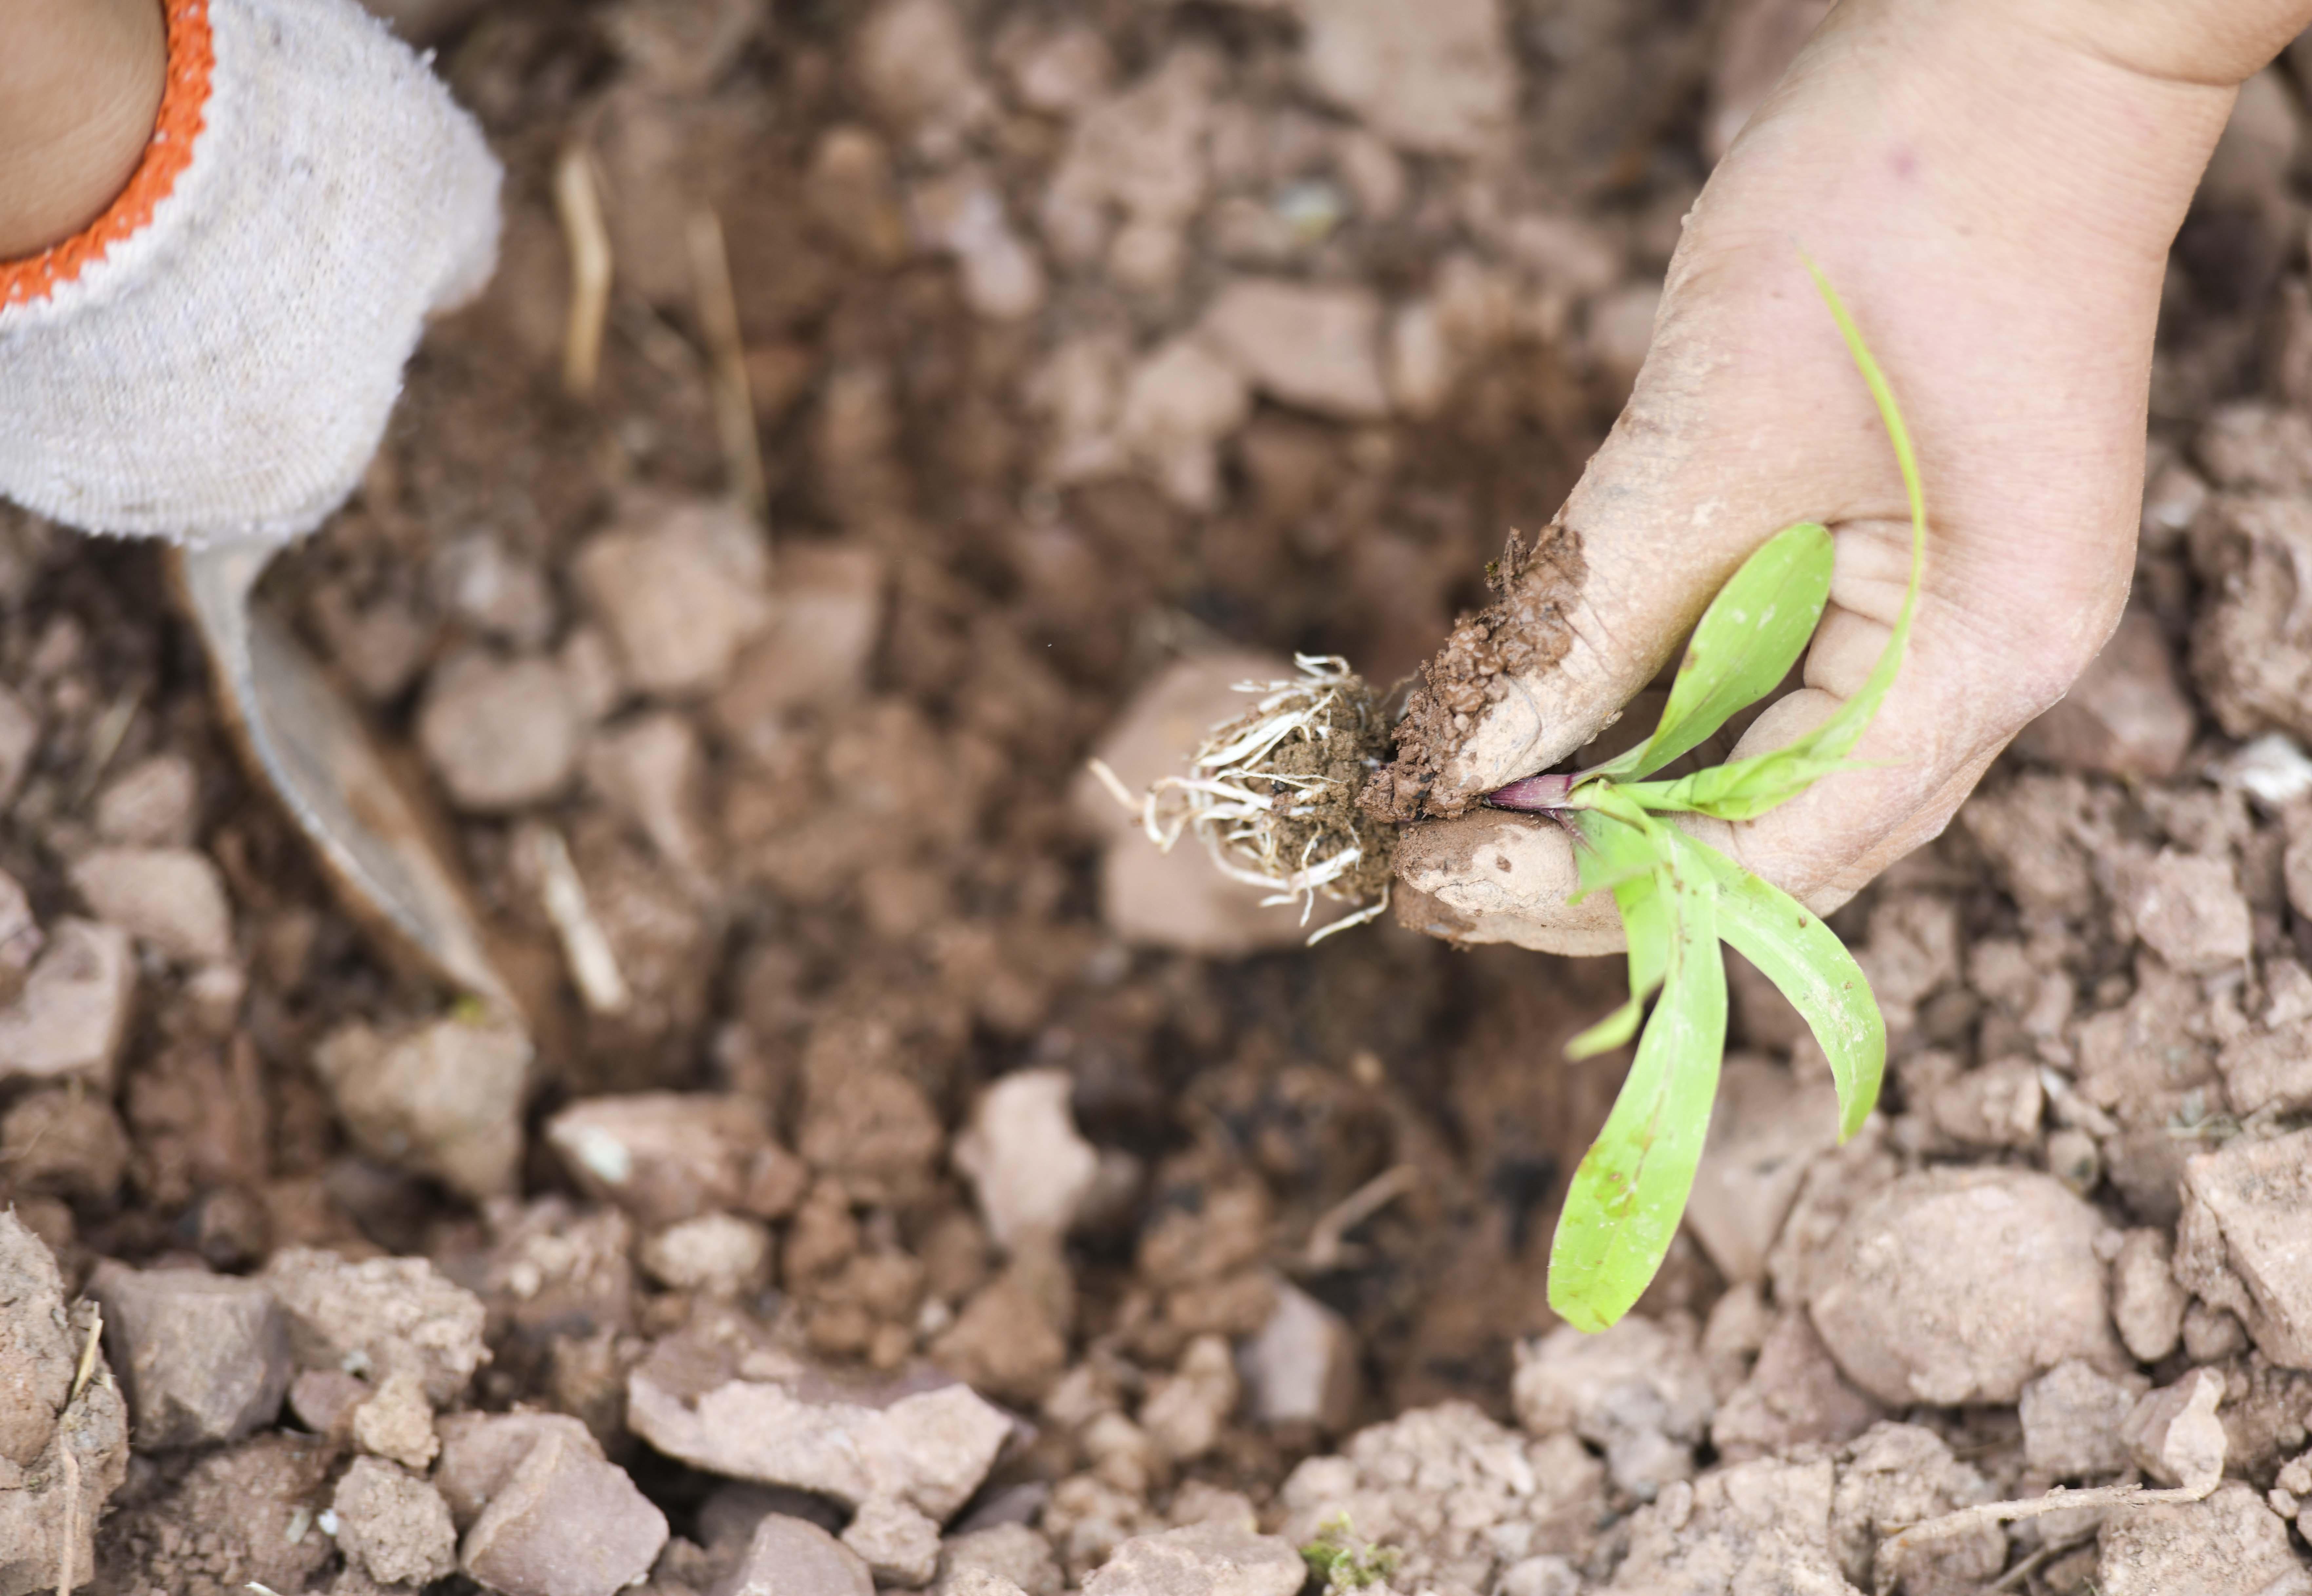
<point>1967,128</point>
<point>80,87</point>
<point>2216,43</point>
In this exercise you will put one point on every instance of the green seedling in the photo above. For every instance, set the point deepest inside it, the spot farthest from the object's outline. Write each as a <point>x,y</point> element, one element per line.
<point>1336,1559</point>
<point>1680,898</point>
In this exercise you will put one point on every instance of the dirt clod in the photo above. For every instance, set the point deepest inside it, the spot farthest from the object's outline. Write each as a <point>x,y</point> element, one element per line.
<point>899,1545</point>
<point>1638,1390</point>
<point>500,736</point>
<point>1514,1497</point>
<point>1316,347</point>
<point>760,1416</point>
<point>247,1513</point>
<point>2244,1240</point>
<point>680,589</point>
<point>788,1555</point>
<point>442,1099</point>
<point>202,1357</point>
<point>393,1525</point>
<point>63,1443</point>
<point>2126,715</point>
<point>1768,1518</point>
<point>718,1255</point>
<point>1960,1285</point>
<point>2173,1433</point>
<point>1793,1395</point>
<point>2229,1545</point>
<point>2073,1418</point>
<point>562,1522</point>
<point>70,1016</point>
<point>1030,1167</point>
<point>2147,1303</point>
<point>172,898</point>
<point>378,1317</point>
<point>66,1144</point>
<point>395,1424</point>
<point>1301,1368</point>
<point>662,1157</point>
<point>1209,1559</point>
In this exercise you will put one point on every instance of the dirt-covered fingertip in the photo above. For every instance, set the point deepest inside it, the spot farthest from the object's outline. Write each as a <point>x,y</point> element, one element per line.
<point>1493,876</point>
<point>1476,686</point>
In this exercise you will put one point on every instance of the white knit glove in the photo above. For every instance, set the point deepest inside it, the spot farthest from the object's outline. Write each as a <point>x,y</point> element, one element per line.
<point>214,358</point>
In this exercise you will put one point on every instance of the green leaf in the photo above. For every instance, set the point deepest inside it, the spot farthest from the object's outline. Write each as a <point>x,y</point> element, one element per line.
<point>1804,958</point>
<point>1836,737</point>
<point>1629,1191</point>
<point>1745,643</point>
<point>1746,789</point>
<point>1623,855</point>
<point>1743,789</point>
<point>1679,897</point>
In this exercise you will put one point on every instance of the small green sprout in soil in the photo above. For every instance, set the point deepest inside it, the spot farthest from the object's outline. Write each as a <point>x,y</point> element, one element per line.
<point>1679,898</point>
<point>1272,795</point>
<point>1342,1564</point>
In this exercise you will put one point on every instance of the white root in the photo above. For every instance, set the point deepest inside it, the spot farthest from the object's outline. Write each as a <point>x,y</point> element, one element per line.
<point>1237,825</point>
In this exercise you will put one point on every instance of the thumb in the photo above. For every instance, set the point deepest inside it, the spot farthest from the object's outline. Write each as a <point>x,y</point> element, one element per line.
<point>1688,484</point>
<point>1975,674</point>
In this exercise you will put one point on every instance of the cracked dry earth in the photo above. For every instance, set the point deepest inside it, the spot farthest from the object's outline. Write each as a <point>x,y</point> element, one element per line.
<point>922,1185</point>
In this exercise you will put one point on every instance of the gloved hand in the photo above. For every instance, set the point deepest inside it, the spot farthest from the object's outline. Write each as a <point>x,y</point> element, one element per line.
<point>1992,187</point>
<point>214,357</point>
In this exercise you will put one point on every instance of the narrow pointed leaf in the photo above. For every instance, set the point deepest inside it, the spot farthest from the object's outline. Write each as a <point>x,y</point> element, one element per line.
<point>1630,1191</point>
<point>1804,958</point>
<point>1745,643</point>
<point>1836,737</point>
<point>1746,789</point>
<point>1612,1032</point>
<point>1743,789</point>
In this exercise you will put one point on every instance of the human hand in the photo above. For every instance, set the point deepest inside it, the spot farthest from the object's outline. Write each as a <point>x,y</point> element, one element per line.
<point>80,83</point>
<point>214,357</point>
<point>1992,188</point>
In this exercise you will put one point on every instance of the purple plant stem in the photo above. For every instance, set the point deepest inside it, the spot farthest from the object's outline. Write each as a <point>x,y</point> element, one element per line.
<point>1533,793</point>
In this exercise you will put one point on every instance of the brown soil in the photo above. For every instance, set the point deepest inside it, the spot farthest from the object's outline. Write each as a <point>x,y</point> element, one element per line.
<point>823,825</point>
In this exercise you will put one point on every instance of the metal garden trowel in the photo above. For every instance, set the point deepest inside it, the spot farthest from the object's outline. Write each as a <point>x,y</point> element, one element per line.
<point>311,748</point>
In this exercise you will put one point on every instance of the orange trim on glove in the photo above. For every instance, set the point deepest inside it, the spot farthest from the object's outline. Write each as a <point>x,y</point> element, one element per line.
<point>184,98</point>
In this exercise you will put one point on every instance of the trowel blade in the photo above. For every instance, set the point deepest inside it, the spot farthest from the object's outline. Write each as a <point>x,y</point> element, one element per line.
<point>311,748</point>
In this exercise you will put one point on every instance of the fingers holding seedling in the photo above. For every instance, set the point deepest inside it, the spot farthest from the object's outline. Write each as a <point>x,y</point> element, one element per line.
<point>1679,897</point>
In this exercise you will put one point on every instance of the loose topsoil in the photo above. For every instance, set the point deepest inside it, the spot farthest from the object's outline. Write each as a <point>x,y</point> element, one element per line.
<point>1081,340</point>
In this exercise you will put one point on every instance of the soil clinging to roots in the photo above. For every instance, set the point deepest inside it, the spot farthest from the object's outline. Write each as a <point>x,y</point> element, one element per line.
<point>1272,794</point>
<point>1526,628</point>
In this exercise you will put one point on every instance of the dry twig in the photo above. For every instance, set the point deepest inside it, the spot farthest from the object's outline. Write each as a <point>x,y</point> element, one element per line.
<point>1327,1250</point>
<point>69,1542</point>
<point>578,202</point>
<point>1886,1570</point>
<point>585,947</point>
<point>726,351</point>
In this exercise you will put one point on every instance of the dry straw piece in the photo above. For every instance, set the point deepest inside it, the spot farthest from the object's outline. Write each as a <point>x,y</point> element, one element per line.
<point>1272,794</point>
